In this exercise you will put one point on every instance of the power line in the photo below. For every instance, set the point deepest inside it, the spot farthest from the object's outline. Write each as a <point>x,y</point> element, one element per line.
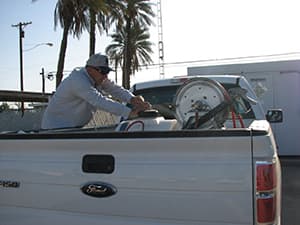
<point>222,59</point>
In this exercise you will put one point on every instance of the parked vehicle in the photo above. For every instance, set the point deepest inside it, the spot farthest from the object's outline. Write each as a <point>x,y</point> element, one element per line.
<point>205,154</point>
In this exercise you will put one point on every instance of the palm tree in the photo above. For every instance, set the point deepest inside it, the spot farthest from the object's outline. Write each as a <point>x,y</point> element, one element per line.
<point>137,13</point>
<point>140,50</point>
<point>115,50</point>
<point>135,17</point>
<point>102,15</point>
<point>98,15</point>
<point>115,54</point>
<point>75,16</point>
<point>71,14</point>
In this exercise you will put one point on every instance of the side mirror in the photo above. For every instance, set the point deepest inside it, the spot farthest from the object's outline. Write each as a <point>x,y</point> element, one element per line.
<point>274,116</point>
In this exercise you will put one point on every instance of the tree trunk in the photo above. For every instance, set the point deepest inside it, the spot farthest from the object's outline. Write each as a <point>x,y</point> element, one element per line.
<point>92,33</point>
<point>124,73</point>
<point>62,54</point>
<point>127,58</point>
<point>116,70</point>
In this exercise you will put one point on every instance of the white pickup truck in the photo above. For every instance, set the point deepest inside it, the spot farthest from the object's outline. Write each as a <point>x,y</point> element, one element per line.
<point>204,155</point>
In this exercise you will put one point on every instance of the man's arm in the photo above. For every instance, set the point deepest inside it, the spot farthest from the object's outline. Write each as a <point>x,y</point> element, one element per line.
<point>116,91</point>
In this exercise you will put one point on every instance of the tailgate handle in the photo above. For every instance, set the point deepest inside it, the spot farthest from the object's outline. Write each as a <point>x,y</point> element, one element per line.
<point>98,164</point>
<point>99,189</point>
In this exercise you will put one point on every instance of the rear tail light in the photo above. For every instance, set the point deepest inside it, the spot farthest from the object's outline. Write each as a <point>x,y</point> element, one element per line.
<point>266,192</point>
<point>266,208</point>
<point>265,176</point>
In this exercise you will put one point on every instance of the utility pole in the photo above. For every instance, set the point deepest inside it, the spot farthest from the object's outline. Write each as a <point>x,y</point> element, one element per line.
<point>43,80</point>
<point>160,41</point>
<point>21,35</point>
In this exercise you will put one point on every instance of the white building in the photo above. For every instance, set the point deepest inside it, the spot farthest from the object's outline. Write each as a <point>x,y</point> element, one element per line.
<point>277,84</point>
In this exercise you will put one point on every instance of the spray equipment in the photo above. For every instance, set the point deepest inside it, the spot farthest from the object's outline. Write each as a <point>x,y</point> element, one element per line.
<point>202,103</point>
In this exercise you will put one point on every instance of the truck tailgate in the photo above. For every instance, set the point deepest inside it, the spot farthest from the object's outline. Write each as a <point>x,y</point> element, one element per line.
<point>180,178</point>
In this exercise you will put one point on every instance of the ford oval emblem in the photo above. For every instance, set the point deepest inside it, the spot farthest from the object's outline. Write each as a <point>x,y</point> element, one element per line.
<point>99,189</point>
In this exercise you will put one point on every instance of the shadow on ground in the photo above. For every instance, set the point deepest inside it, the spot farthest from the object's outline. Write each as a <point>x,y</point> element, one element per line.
<point>290,190</point>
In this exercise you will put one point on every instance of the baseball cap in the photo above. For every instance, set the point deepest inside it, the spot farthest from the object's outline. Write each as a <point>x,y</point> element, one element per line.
<point>98,60</point>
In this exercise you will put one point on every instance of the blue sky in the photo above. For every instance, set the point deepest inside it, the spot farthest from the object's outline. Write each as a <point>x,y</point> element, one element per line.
<point>192,30</point>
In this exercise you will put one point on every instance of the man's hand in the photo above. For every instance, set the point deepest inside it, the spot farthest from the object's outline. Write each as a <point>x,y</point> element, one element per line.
<point>139,105</point>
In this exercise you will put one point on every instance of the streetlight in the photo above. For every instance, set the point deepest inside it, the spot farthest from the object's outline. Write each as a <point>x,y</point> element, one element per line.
<point>37,45</point>
<point>43,70</point>
<point>21,25</point>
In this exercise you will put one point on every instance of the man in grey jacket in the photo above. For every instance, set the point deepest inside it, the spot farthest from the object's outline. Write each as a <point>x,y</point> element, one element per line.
<point>81,93</point>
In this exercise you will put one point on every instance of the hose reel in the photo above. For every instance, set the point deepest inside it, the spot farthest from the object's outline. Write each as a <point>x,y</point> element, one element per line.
<point>202,103</point>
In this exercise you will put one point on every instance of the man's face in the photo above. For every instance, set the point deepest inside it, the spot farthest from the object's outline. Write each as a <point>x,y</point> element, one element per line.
<point>99,76</point>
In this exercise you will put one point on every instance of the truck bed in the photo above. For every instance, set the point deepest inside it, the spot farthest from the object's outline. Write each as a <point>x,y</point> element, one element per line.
<point>160,177</point>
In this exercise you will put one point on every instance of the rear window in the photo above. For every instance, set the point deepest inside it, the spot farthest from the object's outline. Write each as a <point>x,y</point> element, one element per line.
<point>163,98</point>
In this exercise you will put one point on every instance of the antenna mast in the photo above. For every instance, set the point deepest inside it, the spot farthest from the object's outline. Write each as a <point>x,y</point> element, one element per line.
<point>160,41</point>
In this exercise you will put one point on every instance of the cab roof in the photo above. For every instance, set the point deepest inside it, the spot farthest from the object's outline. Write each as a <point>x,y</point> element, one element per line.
<point>175,81</point>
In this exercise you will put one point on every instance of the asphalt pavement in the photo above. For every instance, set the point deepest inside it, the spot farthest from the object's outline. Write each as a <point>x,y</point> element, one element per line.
<point>290,190</point>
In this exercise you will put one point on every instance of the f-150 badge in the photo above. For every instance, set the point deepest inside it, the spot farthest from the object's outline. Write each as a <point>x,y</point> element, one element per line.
<point>9,184</point>
<point>99,189</point>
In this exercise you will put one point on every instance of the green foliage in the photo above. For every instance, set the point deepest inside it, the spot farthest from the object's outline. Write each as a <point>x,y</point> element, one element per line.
<point>140,49</point>
<point>133,17</point>
<point>130,46</point>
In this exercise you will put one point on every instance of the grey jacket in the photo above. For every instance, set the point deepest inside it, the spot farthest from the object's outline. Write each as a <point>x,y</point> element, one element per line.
<point>77,98</point>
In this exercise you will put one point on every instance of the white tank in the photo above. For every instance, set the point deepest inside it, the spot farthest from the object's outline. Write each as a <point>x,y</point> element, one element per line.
<point>148,124</point>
